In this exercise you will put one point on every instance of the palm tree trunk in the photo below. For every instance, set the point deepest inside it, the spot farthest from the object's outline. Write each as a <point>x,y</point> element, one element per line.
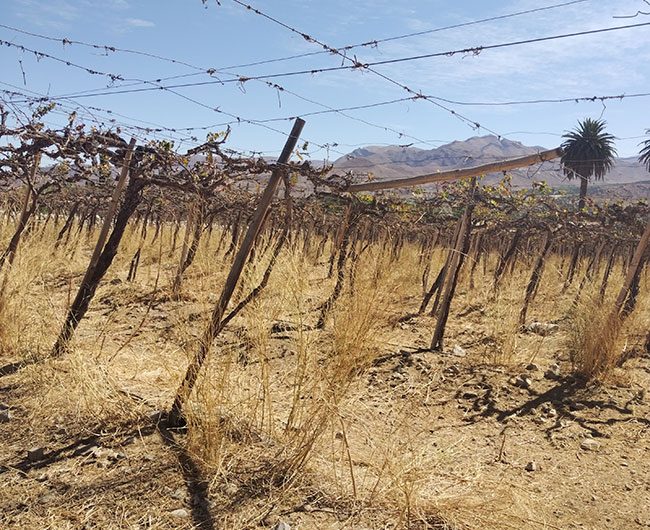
<point>583,192</point>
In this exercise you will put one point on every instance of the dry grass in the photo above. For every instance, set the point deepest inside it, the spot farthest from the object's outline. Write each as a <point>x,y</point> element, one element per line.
<point>597,340</point>
<point>594,340</point>
<point>284,417</point>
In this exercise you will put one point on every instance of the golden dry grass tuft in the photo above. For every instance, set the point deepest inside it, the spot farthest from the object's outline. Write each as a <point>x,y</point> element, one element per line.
<point>598,340</point>
<point>594,339</point>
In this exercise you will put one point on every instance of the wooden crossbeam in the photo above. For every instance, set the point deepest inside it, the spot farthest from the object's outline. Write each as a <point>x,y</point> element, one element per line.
<point>456,174</point>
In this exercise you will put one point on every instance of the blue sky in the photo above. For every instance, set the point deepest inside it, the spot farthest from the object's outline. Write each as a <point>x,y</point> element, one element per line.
<point>228,35</point>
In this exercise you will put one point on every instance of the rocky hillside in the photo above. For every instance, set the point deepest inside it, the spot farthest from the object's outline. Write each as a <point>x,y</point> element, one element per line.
<point>399,162</point>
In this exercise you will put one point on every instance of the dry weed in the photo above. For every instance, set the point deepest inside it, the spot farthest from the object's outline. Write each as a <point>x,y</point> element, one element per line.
<point>597,339</point>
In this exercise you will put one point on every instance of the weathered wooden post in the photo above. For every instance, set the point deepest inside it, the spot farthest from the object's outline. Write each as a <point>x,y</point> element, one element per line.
<point>457,257</point>
<point>28,208</point>
<point>193,233</point>
<point>535,277</point>
<point>505,258</point>
<point>91,279</point>
<point>622,307</point>
<point>215,325</point>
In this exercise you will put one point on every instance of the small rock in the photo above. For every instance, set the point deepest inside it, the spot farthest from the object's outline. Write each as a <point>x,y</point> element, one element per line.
<point>308,507</point>
<point>553,371</point>
<point>548,410</point>
<point>5,416</point>
<point>532,367</point>
<point>589,444</point>
<point>338,435</point>
<point>180,495</point>
<point>36,454</point>
<point>458,351</point>
<point>469,395</point>
<point>282,526</point>
<point>531,466</point>
<point>520,381</point>
<point>181,513</point>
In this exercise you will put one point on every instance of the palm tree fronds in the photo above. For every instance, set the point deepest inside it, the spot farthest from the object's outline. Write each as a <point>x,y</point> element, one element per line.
<point>644,155</point>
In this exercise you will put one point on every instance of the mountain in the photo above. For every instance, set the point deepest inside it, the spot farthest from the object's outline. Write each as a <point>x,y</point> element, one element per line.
<point>393,162</point>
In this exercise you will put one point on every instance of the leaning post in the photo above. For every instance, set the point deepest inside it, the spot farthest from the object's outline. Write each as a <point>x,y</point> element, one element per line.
<point>71,320</point>
<point>215,325</point>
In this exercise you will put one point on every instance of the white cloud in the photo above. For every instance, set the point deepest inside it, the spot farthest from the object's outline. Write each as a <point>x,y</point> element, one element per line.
<point>576,66</point>
<point>139,23</point>
<point>117,4</point>
<point>51,14</point>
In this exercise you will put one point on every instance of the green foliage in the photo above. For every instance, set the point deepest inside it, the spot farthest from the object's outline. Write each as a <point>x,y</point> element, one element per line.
<point>588,150</point>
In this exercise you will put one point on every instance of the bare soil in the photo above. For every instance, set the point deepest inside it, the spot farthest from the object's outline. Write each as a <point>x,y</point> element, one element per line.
<point>472,444</point>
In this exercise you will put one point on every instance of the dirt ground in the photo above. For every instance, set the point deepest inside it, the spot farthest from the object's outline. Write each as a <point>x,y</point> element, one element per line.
<point>420,439</point>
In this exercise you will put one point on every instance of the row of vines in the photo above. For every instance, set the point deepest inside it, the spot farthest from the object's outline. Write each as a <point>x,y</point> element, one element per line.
<point>80,179</point>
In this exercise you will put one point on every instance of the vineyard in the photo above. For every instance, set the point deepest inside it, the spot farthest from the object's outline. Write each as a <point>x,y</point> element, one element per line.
<point>370,358</point>
<point>193,335</point>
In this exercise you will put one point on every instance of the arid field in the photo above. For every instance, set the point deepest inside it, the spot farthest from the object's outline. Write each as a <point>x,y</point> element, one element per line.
<point>357,425</point>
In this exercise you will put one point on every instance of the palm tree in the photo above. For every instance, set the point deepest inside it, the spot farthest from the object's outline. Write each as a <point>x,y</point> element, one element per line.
<point>588,152</point>
<point>644,155</point>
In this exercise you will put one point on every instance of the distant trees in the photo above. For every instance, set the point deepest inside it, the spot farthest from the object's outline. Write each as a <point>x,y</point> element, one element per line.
<point>588,152</point>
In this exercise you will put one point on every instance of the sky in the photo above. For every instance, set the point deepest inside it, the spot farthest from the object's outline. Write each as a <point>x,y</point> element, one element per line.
<point>226,38</point>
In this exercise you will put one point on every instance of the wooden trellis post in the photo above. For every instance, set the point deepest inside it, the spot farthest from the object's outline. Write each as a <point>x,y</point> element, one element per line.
<point>215,325</point>
<point>632,275</point>
<point>28,208</point>
<point>454,263</point>
<point>86,291</point>
<point>536,276</point>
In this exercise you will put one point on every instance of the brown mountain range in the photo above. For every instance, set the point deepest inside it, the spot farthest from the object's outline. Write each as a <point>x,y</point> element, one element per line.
<point>627,179</point>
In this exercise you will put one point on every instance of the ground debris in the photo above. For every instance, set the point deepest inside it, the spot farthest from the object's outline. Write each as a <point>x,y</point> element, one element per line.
<point>541,328</point>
